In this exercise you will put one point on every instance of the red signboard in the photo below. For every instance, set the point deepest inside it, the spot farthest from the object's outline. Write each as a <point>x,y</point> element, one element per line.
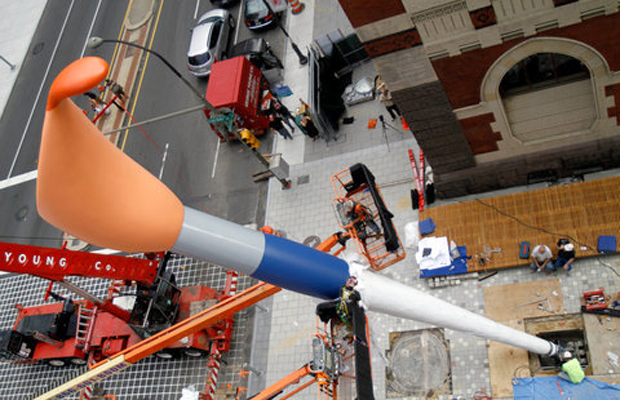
<point>56,264</point>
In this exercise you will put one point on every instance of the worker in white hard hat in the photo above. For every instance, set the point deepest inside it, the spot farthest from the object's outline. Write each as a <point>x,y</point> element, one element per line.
<point>566,256</point>
<point>571,369</point>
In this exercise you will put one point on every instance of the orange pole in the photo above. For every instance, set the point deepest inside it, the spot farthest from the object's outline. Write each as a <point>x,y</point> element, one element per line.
<point>193,324</point>
<point>277,387</point>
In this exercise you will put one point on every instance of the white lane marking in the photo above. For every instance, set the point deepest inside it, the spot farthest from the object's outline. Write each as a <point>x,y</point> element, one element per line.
<point>196,10</point>
<point>47,71</point>
<point>217,152</point>
<point>163,161</point>
<point>19,179</point>
<point>90,30</point>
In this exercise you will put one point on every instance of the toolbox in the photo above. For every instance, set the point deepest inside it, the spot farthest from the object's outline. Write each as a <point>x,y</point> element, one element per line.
<point>595,299</point>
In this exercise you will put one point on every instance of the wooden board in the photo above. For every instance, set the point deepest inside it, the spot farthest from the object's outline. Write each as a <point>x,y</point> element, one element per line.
<point>501,302</point>
<point>506,362</point>
<point>602,336</point>
<point>580,210</point>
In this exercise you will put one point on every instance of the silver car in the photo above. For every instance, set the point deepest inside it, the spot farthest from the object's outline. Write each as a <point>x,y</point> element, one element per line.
<point>209,41</point>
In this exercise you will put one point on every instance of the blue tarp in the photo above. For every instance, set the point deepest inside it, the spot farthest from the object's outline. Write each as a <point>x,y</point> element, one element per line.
<point>546,388</point>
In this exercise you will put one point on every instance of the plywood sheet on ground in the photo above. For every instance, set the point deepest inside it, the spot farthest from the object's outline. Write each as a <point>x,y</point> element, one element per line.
<point>602,337</point>
<point>506,362</point>
<point>581,210</point>
<point>502,305</point>
<point>508,302</point>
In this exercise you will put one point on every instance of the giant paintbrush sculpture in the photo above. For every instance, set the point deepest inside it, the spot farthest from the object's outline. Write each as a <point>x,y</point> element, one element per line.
<point>90,189</point>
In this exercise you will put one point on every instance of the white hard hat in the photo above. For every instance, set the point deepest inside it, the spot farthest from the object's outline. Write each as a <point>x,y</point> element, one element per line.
<point>567,355</point>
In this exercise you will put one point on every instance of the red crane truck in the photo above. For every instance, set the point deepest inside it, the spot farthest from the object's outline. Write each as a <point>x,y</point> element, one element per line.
<point>91,329</point>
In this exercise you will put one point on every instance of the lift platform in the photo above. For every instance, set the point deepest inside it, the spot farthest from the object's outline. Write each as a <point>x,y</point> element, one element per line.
<point>340,364</point>
<point>381,249</point>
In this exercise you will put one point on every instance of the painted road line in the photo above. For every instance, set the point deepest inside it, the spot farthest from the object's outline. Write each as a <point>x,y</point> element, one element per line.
<point>163,161</point>
<point>90,30</point>
<point>19,179</point>
<point>217,152</point>
<point>47,71</point>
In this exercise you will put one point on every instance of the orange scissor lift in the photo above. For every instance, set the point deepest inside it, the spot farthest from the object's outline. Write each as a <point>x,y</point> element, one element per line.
<point>357,183</point>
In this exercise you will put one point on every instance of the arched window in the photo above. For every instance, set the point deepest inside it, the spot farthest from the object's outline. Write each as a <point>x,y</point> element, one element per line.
<point>542,70</point>
<point>547,95</point>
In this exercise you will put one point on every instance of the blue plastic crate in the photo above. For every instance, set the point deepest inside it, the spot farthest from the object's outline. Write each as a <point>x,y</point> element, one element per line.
<point>427,227</point>
<point>606,244</point>
<point>524,250</point>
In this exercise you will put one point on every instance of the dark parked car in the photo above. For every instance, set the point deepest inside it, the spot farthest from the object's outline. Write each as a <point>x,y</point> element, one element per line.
<point>224,3</point>
<point>258,15</point>
<point>256,50</point>
<point>209,41</point>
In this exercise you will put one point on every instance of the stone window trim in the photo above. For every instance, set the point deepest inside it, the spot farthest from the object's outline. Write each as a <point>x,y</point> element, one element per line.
<point>591,58</point>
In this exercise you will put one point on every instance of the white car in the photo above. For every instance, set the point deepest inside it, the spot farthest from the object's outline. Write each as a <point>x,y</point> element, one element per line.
<point>209,41</point>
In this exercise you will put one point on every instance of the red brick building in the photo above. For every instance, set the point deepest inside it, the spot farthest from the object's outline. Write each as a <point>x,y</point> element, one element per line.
<point>500,93</point>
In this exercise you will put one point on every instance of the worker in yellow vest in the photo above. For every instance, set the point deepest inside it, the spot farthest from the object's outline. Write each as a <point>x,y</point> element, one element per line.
<point>571,369</point>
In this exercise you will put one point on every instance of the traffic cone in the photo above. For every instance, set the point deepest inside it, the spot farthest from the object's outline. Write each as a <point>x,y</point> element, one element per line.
<point>296,6</point>
<point>405,125</point>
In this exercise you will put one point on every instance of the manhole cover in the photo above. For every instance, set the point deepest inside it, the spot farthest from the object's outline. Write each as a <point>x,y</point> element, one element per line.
<point>312,241</point>
<point>38,48</point>
<point>424,351</point>
<point>22,213</point>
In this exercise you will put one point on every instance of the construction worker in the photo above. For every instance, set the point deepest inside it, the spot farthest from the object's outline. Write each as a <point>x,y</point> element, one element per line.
<point>571,368</point>
<point>361,218</point>
<point>338,308</point>
<point>348,294</point>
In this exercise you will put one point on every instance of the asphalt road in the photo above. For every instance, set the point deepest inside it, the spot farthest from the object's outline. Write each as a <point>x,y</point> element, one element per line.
<point>59,39</point>
<point>206,175</point>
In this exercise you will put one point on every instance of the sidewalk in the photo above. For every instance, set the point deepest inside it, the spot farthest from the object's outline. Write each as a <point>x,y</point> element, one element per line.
<point>305,210</point>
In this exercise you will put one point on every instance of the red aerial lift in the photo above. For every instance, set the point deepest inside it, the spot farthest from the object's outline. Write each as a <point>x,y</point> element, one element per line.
<point>91,329</point>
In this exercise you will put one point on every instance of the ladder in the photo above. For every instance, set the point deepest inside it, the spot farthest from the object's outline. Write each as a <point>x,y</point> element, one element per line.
<point>85,322</point>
